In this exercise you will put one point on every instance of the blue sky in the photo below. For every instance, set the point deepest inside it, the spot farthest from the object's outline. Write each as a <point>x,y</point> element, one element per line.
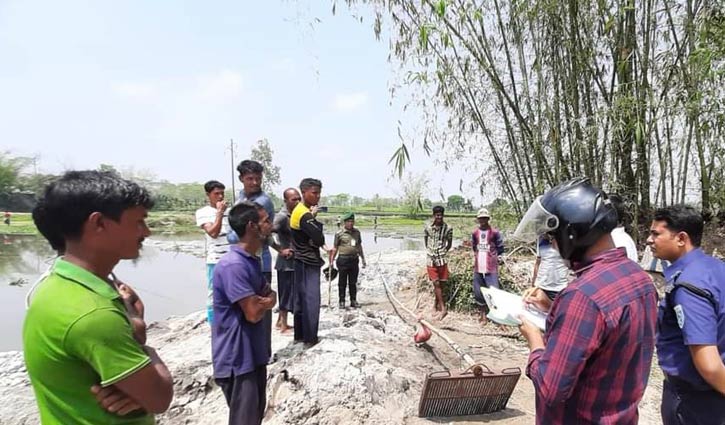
<point>163,86</point>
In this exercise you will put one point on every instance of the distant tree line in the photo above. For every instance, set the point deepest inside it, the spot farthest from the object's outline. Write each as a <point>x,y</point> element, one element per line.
<point>16,177</point>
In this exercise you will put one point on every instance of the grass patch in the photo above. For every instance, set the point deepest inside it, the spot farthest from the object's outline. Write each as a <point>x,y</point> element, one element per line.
<point>184,222</point>
<point>20,224</point>
<point>172,223</point>
<point>163,222</point>
<point>458,293</point>
<point>462,225</point>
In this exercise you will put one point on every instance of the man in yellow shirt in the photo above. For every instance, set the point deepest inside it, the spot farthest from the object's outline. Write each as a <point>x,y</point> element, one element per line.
<point>307,239</point>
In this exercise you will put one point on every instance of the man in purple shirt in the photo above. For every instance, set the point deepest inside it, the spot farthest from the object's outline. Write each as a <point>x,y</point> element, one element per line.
<point>487,245</point>
<point>242,327</point>
<point>592,364</point>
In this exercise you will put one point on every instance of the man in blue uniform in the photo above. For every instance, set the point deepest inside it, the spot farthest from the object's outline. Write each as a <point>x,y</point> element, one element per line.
<point>691,320</point>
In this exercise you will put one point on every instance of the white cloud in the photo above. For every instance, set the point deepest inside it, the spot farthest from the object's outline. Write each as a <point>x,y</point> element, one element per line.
<point>136,91</point>
<point>224,85</point>
<point>331,152</point>
<point>219,87</point>
<point>350,102</point>
<point>184,109</point>
<point>285,66</point>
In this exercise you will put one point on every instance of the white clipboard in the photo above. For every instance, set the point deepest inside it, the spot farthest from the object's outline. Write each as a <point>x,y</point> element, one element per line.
<point>505,309</point>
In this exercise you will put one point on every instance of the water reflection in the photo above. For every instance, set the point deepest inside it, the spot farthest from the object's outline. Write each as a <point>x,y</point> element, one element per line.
<point>171,282</point>
<point>23,255</point>
<point>373,241</point>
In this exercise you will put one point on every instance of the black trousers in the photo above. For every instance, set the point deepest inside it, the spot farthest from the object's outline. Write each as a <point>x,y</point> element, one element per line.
<point>285,290</point>
<point>681,407</point>
<point>246,396</point>
<point>349,268</point>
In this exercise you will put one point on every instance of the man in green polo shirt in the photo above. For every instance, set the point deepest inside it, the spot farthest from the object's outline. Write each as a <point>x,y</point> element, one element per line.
<point>84,363</point>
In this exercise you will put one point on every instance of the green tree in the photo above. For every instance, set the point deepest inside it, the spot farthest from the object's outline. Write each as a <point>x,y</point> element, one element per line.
<point>626,92</point>
<point>262,152</point>
<point>414,188</point>
<point>377,202</point>
<point>107,168</point>
<point>35,182</point>
<point>10,171</point>
<point>339,200</point>
<point>455,202</point>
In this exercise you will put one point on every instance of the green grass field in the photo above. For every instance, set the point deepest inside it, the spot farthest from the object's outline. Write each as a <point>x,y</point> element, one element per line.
<point>159,222</point>
<point>182,222</point>
<point>20,224</point>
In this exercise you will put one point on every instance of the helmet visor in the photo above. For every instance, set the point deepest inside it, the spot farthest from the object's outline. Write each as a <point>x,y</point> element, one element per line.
<point>536,222</point>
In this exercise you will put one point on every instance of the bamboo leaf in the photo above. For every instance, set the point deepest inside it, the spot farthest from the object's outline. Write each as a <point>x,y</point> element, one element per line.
<point>441,8</point>
<point>400,159</point>
<point>609,25</point>
<point>423,37</point>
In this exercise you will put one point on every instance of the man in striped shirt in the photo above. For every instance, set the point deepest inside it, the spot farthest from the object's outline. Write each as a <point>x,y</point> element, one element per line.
<point>592,364</point>
<point>438,239</point>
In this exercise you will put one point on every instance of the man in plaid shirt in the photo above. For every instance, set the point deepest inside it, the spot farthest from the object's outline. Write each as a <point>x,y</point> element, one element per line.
<point>592,364</point>
<point>438,239</point>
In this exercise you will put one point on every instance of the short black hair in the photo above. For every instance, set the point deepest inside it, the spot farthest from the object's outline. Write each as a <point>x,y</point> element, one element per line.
<point>250,166</point>
<point>213,184</point>
<point>242,214</point>
<point>309,183</point>
<point>439,209</point>
<point>682,218</point>
<point>69,200</point>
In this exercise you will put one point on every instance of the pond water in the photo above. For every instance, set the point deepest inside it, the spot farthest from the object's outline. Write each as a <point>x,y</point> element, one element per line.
<point>170,281</point>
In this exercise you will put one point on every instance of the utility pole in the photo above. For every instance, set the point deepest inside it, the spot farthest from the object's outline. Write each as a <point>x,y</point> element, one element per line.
<point>234,191</point>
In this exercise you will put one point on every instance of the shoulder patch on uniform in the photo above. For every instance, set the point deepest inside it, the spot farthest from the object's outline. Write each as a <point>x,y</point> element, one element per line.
<point>680,312</point>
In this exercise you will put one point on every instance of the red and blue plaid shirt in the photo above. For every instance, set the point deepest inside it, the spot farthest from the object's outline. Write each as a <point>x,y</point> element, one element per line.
<point>600,337</point>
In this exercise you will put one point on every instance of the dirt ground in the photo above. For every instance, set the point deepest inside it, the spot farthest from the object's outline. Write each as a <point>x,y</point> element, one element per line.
<point>365,370</point>
<point>497,347</point>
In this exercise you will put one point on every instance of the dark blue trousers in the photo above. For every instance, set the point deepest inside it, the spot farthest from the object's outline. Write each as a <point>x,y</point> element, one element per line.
<point>489,280</point>
<point>691,407</point>
<point>246,396</point>
<point>307,302</point>
<point>285,290</point>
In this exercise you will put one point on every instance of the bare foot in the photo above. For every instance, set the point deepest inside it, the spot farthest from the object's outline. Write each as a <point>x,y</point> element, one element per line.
<point>285,328</point>
<point>278,325</point>
<point>444,313</point>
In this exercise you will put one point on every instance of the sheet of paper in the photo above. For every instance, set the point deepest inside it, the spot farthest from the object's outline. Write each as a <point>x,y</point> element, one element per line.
<point>505,308</point>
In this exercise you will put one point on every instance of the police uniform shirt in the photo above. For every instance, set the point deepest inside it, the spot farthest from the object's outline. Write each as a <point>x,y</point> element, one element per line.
<point>348,242</point>
<point>691,319</point>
